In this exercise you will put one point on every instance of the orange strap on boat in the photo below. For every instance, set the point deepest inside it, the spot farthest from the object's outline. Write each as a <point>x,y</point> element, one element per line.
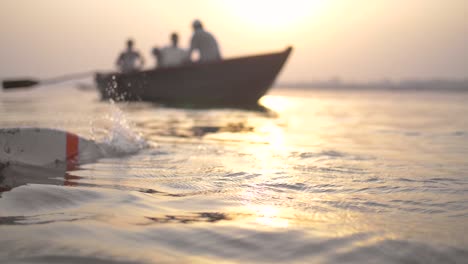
<point>72,146</point>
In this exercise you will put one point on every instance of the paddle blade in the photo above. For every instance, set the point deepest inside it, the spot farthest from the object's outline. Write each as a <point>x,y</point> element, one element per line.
<point>18,84</point>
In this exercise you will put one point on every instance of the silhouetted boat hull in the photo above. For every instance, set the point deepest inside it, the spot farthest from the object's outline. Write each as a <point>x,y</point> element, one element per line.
<point>232,82</point>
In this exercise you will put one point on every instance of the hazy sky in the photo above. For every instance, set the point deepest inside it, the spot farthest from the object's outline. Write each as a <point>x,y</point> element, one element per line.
<point>353,39</point>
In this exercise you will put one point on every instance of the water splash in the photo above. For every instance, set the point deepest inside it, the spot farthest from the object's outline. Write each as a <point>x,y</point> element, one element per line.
<point>115,134</point>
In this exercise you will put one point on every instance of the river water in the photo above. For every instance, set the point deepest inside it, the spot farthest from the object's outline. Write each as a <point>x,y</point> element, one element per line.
<point>324,177</point>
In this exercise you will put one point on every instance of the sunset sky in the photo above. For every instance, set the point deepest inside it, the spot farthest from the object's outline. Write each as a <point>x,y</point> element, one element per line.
<point>353,39</point>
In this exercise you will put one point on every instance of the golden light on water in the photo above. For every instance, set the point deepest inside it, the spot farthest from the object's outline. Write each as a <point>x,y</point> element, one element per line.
<point>274,135</point>
<point>270,216</point>
<point>276,103</point>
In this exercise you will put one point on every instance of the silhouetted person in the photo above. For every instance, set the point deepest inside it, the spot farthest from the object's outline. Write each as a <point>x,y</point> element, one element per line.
<point>172,55</point>
<point>157,56</point>
<point>205,43</point>
<point>130,60</point>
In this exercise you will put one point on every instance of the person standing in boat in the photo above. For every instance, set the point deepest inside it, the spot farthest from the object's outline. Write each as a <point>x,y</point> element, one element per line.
<point>172,55</point>
<point>130,60</point>
<point>204,43</point>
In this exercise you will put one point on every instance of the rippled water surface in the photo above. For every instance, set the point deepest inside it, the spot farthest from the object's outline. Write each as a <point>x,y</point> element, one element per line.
<point>325,176</point>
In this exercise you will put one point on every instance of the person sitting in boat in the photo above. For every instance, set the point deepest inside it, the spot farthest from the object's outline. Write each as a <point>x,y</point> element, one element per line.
<point>130,60</point>
<point>172,55</point>
<point>157,56</point>
<point>204,43</point>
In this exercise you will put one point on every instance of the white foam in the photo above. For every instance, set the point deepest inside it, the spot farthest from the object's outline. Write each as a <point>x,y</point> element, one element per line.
<point>119,137</point>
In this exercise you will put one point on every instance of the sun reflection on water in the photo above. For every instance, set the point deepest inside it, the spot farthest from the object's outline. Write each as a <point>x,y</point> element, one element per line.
<point>276,103</point>
<point>270,216</point>
<point>273,135</point>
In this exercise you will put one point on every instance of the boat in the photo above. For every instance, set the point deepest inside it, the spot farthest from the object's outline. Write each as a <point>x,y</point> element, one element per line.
<point>235,82</point>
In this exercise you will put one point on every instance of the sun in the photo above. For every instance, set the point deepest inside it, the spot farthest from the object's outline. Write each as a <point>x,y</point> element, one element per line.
<point>274,14</point>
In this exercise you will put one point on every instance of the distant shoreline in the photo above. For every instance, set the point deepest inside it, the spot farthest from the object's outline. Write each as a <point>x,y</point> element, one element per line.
<point>409,85</point>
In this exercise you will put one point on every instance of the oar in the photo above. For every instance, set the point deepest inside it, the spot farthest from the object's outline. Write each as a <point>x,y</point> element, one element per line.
<point>44,147</point>
<point>27,83</point>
